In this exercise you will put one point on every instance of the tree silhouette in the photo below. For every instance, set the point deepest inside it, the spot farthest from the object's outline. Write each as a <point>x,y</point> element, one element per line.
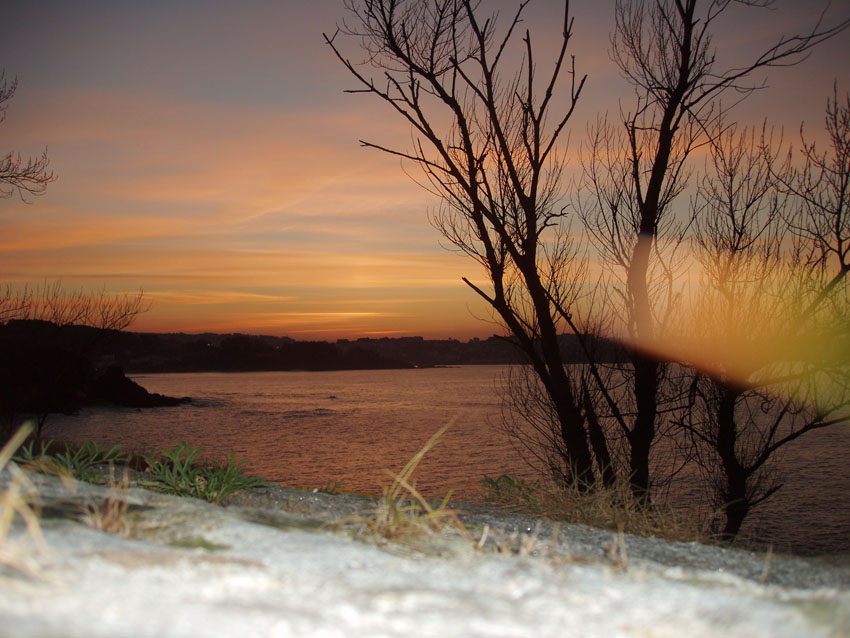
<point>488,139</point>
<point>17,175</point>
<point>637,171</point>
<point>772,238</point>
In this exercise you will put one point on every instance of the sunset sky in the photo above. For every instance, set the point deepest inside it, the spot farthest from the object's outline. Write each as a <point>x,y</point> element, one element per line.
<point>206,153</point>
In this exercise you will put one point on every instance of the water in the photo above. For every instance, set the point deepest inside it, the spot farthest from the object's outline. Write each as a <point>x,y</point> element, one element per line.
<point>315,428</point>
<point>309,428</point>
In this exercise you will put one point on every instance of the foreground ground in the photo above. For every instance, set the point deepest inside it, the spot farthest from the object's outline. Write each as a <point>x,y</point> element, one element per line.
<point>283,562</point>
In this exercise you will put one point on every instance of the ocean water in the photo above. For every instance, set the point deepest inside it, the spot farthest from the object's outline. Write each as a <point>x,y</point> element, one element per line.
<point>312,429</point>
<point>309,428</point>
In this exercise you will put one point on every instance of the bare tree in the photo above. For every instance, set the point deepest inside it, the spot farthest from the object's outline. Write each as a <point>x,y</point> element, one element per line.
<point>51,302</point>
<point>772,240</point>
<point>17,175</point>
<point>635,174</point>
<point>487,142</point>
<point>45,358</point>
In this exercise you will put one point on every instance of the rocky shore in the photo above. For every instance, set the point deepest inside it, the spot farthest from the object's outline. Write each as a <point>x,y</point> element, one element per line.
<point>277,561</point>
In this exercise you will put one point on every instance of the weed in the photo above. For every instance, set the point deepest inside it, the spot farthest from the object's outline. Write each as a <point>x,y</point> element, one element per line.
<point>21,498</point>
<point>89,454</point>
<point>511,492</point>
<point>224,479</point>
<point>333,487</point>
<point>111,515</point>
<point>28,454</point>
<point>402,511</point>
<point>76,461</point>
<point>613,508</point>
<point>176,472</point>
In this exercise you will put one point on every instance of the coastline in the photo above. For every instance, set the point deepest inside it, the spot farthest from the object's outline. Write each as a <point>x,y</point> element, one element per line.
<point>282,562</point>
<point>580,541</point>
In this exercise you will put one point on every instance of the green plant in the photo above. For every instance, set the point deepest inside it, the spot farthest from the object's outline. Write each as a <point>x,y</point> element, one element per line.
<point>27,453</point>
<point>40,460</point>
<point>195,542</point>
<point>80,461</point>
<point>176,472</point>
<point>509,491</point>
<point>77,461</point>
<point>332,487</point>
<point>223,479</point>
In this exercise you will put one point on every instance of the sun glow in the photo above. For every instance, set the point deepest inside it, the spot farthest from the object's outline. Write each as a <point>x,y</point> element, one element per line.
<point>223,175</point>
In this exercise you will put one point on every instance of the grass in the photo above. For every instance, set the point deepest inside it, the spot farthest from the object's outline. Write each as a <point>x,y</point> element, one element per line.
<point>614,508</point>
<point>177,472</point>
<point>76,461</point>
<point>332,487</point>
<point>111,515</point>
<point>510,492</point>
<point>19,498</point>
<point>402,512</point>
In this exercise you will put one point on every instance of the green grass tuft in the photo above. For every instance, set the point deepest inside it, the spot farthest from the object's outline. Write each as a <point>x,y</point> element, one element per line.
<point>78,461</point>
<point>177,472</point>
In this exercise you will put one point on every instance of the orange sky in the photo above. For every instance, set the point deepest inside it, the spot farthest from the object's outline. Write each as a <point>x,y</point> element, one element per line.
<point>207,154</point>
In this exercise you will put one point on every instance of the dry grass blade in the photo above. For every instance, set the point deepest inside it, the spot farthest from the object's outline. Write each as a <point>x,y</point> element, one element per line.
<point>421,515</point>
<point>613,508</point>
<point>111,515</point>
<point>45,465</point>
<point>21,498</point>
<point>403,511</point>
<point>618,552</point>
<point>616,508</point>
<point>402,479</point>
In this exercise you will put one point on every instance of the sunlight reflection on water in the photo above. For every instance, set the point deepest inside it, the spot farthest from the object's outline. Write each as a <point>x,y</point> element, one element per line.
<point>306,428</point>
<point>311,428</point>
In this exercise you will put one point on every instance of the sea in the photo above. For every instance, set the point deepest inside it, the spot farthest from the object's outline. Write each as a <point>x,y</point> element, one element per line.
<point>352,430</point>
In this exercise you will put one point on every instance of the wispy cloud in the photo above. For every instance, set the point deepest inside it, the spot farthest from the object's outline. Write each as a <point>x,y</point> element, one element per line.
<point>207,154</point>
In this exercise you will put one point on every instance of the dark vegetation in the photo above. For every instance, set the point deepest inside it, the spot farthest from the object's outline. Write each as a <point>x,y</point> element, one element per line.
<point>19,176</point>
<point>182,470</point>
<point>51,368</point>
<point>47,368</point>
<point>83,351</point>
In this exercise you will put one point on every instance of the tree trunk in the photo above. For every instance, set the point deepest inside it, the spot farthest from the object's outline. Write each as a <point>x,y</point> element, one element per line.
<point>571,421</point>
<point>643,431</point>
<point>736,505</point>
<point>560,389</point>
<point>598,442</point>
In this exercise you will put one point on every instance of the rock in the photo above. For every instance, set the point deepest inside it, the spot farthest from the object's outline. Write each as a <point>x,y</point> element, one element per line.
<point>45,368</point>
<point>270,565</point>
<point>37,379</point>
<point>111,387</point>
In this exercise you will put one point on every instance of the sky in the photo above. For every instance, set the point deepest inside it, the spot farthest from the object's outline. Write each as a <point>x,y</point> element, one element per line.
<point>206,153</point>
